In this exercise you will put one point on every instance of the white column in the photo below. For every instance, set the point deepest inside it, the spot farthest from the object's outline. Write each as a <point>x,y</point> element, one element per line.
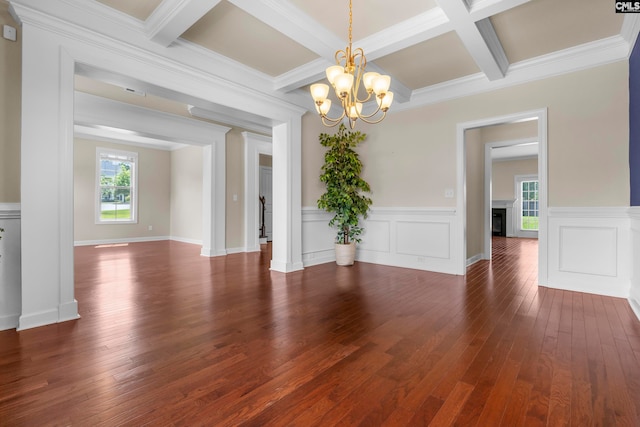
<point>46,181</point>
<point>213,197</point>
<point>287,197</point>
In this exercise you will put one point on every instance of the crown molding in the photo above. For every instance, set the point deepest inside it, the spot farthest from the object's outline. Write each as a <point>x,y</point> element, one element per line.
<point>9,210</point>
<point>630,29</point>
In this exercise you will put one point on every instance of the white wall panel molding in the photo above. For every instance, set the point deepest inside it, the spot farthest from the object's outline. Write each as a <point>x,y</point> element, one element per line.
<point>590,250</point>
<point>634,292</point>
<point>10,294</point>
<point>419,238</point>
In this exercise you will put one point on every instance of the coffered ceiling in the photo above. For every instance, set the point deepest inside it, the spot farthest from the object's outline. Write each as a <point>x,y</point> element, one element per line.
<point>433,49</point>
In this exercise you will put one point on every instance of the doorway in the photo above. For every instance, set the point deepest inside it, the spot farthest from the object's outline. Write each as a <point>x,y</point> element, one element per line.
<point>266,199</point>
<point>540,116</point>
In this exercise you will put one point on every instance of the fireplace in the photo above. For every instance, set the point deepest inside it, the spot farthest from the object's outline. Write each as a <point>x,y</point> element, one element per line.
<point>499,222</point>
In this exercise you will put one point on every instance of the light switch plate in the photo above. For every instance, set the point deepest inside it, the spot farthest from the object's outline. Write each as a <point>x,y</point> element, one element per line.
<point>9,33</point>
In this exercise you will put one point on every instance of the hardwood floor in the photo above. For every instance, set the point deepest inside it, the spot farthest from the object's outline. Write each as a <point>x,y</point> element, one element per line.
<point>171,338</point>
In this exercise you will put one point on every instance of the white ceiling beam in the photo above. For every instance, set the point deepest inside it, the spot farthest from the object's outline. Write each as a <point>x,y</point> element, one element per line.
<point>418,29</point>
<point>479,38</point>
<point>481,9</point>
<point>288,19</point>
<point>402,35</point>
<point>232,118</point>
<point>102,113</point>
<point>173,17</point>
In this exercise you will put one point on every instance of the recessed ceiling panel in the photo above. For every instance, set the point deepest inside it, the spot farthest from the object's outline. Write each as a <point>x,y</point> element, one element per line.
<point>140,9</point>
<point>231,32</point>
<point>540,27</point>
<point>434,61</point>
<point>369,16</point>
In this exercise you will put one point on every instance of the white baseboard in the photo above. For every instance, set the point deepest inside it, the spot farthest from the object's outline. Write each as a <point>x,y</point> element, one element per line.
<point>186,240</point>
<point>118,241</point>
<point>236,250</point>
<point>41,318</point>
<point>9,321</point>
<point>474,259</point>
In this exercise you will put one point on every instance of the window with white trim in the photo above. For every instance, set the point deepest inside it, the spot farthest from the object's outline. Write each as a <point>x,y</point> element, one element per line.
<point>116,184</point>
<point>529,205</point>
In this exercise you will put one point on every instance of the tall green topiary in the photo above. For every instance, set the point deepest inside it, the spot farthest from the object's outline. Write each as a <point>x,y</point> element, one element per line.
<point>341,175</point>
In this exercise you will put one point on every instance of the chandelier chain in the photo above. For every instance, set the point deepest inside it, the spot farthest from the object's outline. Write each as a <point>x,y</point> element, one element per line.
<point>350,21</point>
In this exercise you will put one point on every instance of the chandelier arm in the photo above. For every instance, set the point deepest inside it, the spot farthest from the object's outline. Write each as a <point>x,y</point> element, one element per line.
<point>362,100</point>
<point>334,121</point>
<point>368,116</point>
<point>373,122</point>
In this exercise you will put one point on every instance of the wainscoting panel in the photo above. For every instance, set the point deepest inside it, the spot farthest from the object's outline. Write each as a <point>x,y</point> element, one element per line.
<point>377,236</point>
<point>417,238</point>
<point>590,250</point>
<point>317,237</point>
<point>423,239</point>
<point>10,271</point>
<point>634,293</point>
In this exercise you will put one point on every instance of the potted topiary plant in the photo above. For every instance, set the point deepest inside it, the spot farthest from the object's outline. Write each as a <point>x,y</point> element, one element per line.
<point>344,188</point>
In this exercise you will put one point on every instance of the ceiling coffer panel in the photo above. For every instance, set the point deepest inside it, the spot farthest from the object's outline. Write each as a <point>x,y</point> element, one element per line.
<point>541,27</point>
<point>231,32</point>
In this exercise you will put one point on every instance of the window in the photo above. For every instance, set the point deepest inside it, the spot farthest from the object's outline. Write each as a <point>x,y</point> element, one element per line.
<point>529,205</point>
<point>116,186</point>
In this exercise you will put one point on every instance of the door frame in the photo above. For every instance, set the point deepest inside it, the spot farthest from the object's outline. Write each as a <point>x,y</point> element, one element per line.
<point>461,205</point>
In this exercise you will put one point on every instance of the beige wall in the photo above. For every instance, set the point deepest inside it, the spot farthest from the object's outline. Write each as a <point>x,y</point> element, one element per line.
<point>235,187</point>
<point>410,158</point>
<point>475,192</point>
<point>265,160</point>
<point>10,99</point>
<point>313,158</point>
<point>510,131</point>
<point>154,185</point>
<point>503,174</point>
<point>186,193</point>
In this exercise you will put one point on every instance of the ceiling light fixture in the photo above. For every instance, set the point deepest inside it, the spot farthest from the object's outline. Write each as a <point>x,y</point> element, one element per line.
<point>347,77</point>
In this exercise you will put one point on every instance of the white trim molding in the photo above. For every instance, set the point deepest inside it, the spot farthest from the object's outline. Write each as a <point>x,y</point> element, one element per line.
<point>634,291</point>
<point>10,283</point>
<point>419,238</point>
<point>254,145</point>
<point>590,250</point>
<point>461,204</point>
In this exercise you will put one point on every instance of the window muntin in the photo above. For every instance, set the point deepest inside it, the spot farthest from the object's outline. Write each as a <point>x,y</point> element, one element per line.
<point>116,186</point>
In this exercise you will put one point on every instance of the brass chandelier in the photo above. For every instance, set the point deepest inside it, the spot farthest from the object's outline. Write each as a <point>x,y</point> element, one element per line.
<point>347,77</point>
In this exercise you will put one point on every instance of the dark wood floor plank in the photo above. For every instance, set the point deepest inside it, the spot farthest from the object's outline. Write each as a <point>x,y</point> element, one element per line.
<point>168,337</point>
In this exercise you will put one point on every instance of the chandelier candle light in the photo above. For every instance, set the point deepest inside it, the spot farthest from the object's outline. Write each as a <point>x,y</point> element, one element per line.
<point>346,78</point>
